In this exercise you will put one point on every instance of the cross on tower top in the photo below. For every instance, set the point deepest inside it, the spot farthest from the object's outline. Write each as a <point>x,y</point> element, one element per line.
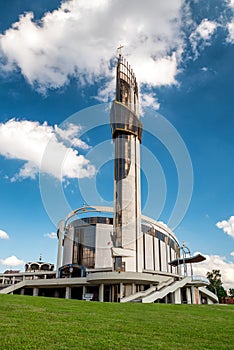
<point>120,49</point>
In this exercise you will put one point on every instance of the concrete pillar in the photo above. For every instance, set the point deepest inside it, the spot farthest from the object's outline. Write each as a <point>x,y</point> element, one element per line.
<point>188,295</point>
<point>101,292</point>
<point>83,292</point>
<point>22,291</point>
<point>121,287</point>
<point>196,296</point>
<point>133,288</point>
<point>56,294</point>
<point>177,294</point>
<point>192,293</point>
<point>68,293</point>
<point>13,280</point>
<point>60,245</point>
<point>35,292</point>
<point>112,293</point>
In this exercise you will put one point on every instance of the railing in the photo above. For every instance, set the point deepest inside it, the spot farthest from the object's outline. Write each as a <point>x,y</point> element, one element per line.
<point>137,295</point>
<point>200,279</point>
<point>166,290</point>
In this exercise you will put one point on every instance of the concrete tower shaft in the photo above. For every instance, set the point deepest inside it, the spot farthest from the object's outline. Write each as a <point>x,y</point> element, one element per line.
<point>126,132</point>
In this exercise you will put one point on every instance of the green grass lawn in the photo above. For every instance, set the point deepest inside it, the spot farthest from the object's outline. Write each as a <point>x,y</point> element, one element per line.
<point>48,323</point>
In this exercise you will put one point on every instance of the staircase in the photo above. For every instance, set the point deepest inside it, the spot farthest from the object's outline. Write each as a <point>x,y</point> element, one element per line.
<point>159,294</point>
<point>12,287</point>
<point>208,293</point>
<point>139,295</point>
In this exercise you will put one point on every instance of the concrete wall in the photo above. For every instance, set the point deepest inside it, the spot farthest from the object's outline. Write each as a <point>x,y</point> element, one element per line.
<point>103,257</point>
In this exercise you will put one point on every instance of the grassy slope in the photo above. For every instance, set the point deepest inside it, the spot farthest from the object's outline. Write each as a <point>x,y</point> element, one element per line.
<point>48,323</point>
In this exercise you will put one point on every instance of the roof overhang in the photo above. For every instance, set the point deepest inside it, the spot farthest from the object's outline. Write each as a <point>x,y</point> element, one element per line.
<point>189,260</point>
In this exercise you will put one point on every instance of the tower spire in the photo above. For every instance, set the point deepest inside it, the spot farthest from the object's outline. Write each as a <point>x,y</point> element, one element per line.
<point>120,50</point>
<point>126,132</point>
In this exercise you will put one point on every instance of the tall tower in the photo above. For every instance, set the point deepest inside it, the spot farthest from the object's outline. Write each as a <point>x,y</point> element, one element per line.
<point>126,133</point>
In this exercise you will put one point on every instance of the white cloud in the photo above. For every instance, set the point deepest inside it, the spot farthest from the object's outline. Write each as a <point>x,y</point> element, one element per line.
<point>32,140</point>
<point>51,235</point>
<point>149,100</point>
<point>216,262</point>
<point>3,235</point>
<point>206,29</point>
<point>80,38</point>
<point>11,261</point>
<point>201,36</point>
<point>232,253</point>
<point>227,226</point>
<point>230,27</point>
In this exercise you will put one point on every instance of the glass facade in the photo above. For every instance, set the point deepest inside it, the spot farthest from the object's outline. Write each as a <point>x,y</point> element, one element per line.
<point>158,248</point>
<point>123,162</point>
<point>123,120</point>
<point>84,240</point>
<point>84,246</point>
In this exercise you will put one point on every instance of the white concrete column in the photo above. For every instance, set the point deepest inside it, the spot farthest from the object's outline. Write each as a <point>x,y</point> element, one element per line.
<point>112,293</point>
<point>193,298</point>
<point>22,291</point>
<point>84,291</point>
<point>188,295</point>
<point>68,293</point>
<point>35,292</point>
<point>56,294</point>
<point>60,244</point>
<point>121,286</point>
<point>101,292</point>
<point>133,288</point>
<point>13,280</point>
<point>177,294</point>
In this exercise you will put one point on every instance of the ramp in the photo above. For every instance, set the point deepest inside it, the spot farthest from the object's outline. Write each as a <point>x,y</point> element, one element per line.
<point>138,295</point>
<point>141,294</point>
<point>159,294</point>
<point>12,287</point>
<point>209,294</point>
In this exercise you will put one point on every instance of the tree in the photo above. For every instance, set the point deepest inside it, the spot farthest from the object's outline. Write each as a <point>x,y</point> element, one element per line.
<point>231,292</point>
<point>215,285</point>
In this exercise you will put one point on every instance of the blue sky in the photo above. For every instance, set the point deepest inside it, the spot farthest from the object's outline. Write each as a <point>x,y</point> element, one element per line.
<point>57,64</point>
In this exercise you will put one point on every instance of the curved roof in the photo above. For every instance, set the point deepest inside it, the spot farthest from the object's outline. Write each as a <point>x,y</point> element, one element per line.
<point>189,260</point>
<point>90,209</point>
